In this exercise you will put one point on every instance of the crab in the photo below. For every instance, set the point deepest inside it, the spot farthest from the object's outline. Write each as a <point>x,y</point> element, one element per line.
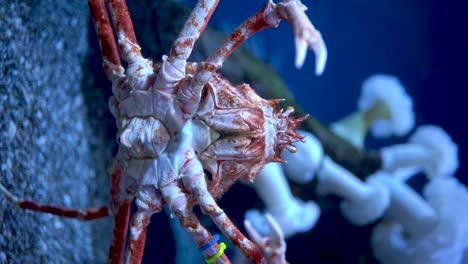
<point>186,134</point>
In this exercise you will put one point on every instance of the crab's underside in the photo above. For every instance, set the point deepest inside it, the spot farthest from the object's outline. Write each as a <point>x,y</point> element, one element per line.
<point>186,134</point>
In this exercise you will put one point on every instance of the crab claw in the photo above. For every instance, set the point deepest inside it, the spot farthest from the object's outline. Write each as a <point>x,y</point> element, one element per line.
<point>273,248</point>
<point>305,34</point>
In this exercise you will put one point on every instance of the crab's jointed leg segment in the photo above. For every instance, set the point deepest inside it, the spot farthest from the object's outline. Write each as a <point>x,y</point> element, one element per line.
<point>119,233</point>
<point>136,241</point>
<point>126,39</point>
<point>255,23</point>
<point>81,214</point>
<point>305,34</point>
<point>194,26</point>
<point>273,248</point>
<point>195,183</point>
<point>178,202</point>
<point>111,60</point>
<point>173,66</point>
<point>149,201</point>
<point>120,206</point>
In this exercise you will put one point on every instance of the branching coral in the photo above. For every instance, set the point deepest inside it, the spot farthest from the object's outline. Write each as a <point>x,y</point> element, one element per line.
<point>444,242</point>
<point>384,107</point>
<point>430,148</point>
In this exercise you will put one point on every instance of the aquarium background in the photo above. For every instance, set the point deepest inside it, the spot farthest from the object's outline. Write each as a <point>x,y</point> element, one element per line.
<point>53,96</point>
<point>421,42</point>
<point>424,43</point>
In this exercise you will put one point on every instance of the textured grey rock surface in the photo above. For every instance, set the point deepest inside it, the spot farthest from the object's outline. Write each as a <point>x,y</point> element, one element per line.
<point>51,148</point>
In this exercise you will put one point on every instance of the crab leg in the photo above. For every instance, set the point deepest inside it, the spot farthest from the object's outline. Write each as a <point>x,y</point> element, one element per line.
<point>306,36</point>
<point>196,185</point>
<point>139,69</point>
<point>111,60</point>
<point>178,203</point>
<point>149,201</point>
<point>196,23</point>
<point>120,207</point>
<point>126,39</point>
<point>119,233</point>
<point>136,245</point>
<point>81,214</point>
<point>274,247</point>
<point>173,66</point>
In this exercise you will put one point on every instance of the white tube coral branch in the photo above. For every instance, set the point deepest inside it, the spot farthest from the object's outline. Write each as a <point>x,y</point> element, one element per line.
<point>430,148</point>
<point>302,166</point>
<point>363,202</point>
<point>445,243</point>
<point>407,207</point>
<point>383,106</point>
<point>292,215</point>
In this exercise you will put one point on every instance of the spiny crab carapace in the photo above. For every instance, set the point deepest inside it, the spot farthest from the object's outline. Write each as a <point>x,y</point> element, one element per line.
<point>186,134</point>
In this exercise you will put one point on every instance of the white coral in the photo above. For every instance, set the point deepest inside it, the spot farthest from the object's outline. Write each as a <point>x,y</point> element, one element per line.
<point>444,160</point>
<point>363,202</point>
<point>388,90</point>
<point>445,243</point>
<point>430,148</point>
<point>293,215</point>
<point>370,207</point>
<point>302,166</point>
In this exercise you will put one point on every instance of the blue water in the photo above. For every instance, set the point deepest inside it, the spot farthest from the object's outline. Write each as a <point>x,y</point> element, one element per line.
<point>421,42</point>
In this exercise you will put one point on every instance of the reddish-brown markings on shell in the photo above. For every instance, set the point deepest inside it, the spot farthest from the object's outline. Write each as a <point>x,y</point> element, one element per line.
<point>104,30</point>
<point>178,48</point>
<point>124,22</point>
<point>209,14</point>
<point>228,96</point>
<point>259,24</point>
<point>194,22</point>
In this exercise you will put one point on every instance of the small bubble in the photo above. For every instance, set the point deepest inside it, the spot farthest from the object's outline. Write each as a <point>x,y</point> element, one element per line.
<point>59,45</point>
<point>41,141</point>
<point>58,224</point>
<point>67,199</point>
<point>11,132</point>
<point>3,257</point>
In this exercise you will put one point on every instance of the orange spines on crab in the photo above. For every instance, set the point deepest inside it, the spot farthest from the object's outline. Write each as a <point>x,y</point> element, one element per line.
<point>251,132</point>
<point>287,135</point>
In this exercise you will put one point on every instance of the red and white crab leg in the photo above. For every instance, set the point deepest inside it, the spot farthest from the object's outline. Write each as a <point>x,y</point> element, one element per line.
<point>194,26</point>
<point>305,35</point>
<point>180,207</point>
<point>195,183</point>
<point>273,247</point>
<point>120,207</point>
<point>139,69</point>
<point>173,66</point>
<point>111,60</point>
<point>114,72</point>
<point>149,201</point>
<point>81,214</point>
<point>119,233</point>
<point>126,39</point>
